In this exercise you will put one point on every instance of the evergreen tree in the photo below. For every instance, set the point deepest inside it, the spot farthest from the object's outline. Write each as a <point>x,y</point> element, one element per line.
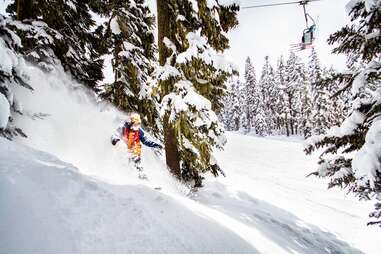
<point>192,77</point>
<point>233,108</point>
<point>280,97</point>
<point>293,83</point>
<point>49,33</point>
<point>60,29</point>
<point>320,96</point>
<point>11,76</point>
<point>244,121</point>
<point>336,109</point>
<point>314,68</point>
<point>313,76</point>
<point>223,114</point>
<point>260,122</point>
<point>267,90</point>
<point>307,103</point>
<point>237,110</point>
<point>250,99</point>
<point>130,29</point>
<point>356,143</point>
<point>63,32</point>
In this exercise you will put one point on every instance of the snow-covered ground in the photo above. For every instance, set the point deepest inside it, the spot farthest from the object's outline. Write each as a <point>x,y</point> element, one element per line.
<point>266,187</point>
<point>47,206</point>
<point>50,207</point>
<point>264,205</point>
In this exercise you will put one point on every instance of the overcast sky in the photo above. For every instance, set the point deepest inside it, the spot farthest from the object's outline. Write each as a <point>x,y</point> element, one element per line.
<point>270,31</point>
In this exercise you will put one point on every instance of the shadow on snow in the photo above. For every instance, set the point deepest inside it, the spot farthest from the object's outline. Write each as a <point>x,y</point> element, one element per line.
<point>278,225</point>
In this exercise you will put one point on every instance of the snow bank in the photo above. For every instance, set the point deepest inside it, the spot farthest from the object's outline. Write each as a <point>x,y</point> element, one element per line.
<point>47,206</point>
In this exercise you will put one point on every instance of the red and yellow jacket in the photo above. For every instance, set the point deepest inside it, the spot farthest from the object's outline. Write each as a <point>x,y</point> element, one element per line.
<point>133,138</point>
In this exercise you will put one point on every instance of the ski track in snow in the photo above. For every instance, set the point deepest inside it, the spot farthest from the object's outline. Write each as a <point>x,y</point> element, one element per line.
<point>264,205</point>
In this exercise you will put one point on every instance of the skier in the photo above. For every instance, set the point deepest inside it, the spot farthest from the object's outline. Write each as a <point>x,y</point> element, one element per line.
<point>133,135</point>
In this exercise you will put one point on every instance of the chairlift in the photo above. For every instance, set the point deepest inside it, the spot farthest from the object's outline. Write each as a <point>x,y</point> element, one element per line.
<point>308,36</point>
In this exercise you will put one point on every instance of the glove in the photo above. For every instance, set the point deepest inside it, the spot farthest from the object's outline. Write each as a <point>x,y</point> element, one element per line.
<point>114,141</point>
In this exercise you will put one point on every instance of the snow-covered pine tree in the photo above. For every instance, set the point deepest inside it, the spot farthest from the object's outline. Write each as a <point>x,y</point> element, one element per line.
<point>244,121</point>
<point>233,110</point>
<point>314,67</point>
<point>306,104</point>
<point>192,77</point>
<point>11,75</point>
<point>130,29</point>
<point>260,119</point>
<point>320,96</point>
<point>236,112</point>
<point>18,37</point>
<point>356,143</point>
<point>293,83</point>
<point>267,89</point>
<point>223,115</point>
<point>60,29</point>
<point>280,97</point>
<point>337,109</point>
<point>64,31</point>
<point>250,99</point>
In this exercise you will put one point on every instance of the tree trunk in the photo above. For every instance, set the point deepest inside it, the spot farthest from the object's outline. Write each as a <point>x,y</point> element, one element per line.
<point>24,9</point>
<point>170,140</point>
<point>291,116</point>
<point>248,123</point>
<point>287,129</point>
<point>292,126</point>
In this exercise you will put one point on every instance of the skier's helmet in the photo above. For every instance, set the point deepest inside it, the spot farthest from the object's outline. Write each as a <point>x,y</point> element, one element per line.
<point>135,119</point>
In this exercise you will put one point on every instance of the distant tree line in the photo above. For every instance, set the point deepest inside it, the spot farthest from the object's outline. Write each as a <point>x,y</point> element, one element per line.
<point>286,100</point>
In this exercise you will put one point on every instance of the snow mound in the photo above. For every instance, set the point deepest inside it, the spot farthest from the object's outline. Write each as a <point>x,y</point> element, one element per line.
<point>47,206</point>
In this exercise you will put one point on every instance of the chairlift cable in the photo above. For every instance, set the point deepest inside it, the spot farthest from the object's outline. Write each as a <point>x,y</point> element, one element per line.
<point>303,2</point>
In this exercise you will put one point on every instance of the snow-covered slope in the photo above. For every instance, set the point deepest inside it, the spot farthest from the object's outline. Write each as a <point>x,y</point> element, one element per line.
<point>266,188</point>
<point>47,206</point>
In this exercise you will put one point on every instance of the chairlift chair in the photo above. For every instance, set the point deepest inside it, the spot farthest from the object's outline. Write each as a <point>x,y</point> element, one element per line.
<point>308,36</point>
